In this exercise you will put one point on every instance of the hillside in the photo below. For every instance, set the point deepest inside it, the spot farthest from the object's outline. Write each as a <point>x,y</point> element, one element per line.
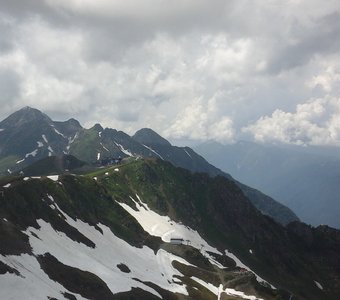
<point>306,180</point>
<point>28,136</point>
<point>106,236</point>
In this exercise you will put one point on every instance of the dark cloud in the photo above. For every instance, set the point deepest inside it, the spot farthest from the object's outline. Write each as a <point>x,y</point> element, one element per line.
<point>319,39</point>
<point>10,88</point>
<point>190,68</point>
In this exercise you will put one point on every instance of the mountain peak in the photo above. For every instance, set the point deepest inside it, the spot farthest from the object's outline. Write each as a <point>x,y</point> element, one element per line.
<point>25,115</point>
<point>97,127</point>
<point>147,136</point>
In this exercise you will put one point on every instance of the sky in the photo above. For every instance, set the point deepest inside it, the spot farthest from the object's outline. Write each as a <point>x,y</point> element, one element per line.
<point>262,70</point>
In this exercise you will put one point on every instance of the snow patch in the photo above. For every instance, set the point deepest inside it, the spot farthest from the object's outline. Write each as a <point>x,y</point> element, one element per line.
<point>33,282</point>
<point>164,227</point>
<point>207,285</point>
<point>20,161</point>
<point>219,290</point>
<point>98,156</point>
<point>9,171</point>
<point>44,138</point>
<point>26,178</point>
<point>318,285</point>
<point>5,219</point>
<point>109,251</point>
<point>104,147</point>
<point>116,170</point>
<point>58,132</point>
<point>95,178</point>
<point>1,129</point>
<point>160,156</point>
<point>187,153</point>
<point>7,185</point>
<point>242,265</point>
<point>40,144</point>
<point>33,153</point>
<point>53,177</point>
<point>250,251</point>
<point>125,151</point>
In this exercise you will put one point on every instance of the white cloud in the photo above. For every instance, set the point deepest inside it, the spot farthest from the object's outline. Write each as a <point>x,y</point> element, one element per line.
<point>193,69</point>
<point>316,122</point>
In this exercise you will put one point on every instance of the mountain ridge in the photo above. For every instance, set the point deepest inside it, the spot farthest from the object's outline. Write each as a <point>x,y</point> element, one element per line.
<point>135,207</point>
<point>304,180</point>
<point>98,145</point>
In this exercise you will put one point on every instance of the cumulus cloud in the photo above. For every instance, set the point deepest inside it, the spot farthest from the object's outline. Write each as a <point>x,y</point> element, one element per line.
<point>193,69</point>
<point>316,122</point>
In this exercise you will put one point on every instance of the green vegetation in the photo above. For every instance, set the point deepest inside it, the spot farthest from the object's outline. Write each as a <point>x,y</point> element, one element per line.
<point>215,207</point>
<point>86,146</point>
<point>7,162</point>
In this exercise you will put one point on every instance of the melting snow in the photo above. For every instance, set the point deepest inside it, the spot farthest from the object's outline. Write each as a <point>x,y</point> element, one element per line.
<point>187,153</point>
<point>153,151</point>
<point>45,139</point>
<point>33,153</point>
<point>53,177</point>
<point>318,285</point>
<point>58,132</point>
<point>242,265</point>
<point>218,290</point>
<point>207,285</point>
<point>165,228</point>
<point>104,147</point>
<point>109,251</point>
<point>33,282</point>
<point>125,151</point>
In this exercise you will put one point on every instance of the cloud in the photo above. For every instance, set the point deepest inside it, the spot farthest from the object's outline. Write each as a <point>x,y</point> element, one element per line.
<point>193,69</point>
<point>316,122</point>
<point>201,122</point>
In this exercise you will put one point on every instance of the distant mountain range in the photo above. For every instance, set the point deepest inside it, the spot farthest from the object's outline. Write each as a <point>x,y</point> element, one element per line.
<point>28,136</point>
<point>305,179</point>
<point>145,229</point>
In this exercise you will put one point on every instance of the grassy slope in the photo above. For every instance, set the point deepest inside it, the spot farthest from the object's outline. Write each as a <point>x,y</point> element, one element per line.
<point>224,216</point>
<point>214,206</point>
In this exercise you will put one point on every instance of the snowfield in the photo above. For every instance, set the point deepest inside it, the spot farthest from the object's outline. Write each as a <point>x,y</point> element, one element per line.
<point>110,251</point>
<point>102,261</point>
<point>164,227</point>
<point>32,284</point>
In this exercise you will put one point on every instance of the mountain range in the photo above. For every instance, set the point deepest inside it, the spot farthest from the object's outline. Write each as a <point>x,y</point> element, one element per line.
<point>145,229</point>
<point>98,214</point>
<point>29,135</point>
<point>306,179</point>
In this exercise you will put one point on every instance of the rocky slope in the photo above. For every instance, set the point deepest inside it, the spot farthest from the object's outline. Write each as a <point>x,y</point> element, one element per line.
<point>29,135</point>
<point>106,235</point>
